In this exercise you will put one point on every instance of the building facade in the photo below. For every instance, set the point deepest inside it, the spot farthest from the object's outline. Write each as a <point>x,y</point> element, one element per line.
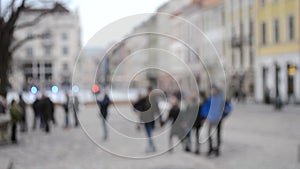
<point>49,59</point>
<point>239,46</point>
<point>278,50</point>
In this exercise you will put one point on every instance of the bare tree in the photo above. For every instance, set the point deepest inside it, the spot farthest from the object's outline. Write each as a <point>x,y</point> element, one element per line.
<point>9,16</point>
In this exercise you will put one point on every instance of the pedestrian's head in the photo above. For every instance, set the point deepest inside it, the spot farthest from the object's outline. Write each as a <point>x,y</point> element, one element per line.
<point>202,95</point>
<point>20,96</point>
<point>214,90</point>
<point>149,90</point>
<point>174,101</point>
<point>13,102</point>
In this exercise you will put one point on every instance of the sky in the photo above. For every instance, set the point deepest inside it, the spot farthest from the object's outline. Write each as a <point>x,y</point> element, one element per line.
<point>95,15</point>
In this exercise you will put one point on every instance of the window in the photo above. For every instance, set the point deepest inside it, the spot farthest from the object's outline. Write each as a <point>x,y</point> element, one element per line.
<point>276,30</point>
<point>65,66</point>
<point>291,28</point>
<point>65,50</point>
<point>64,36</point>
<point>29,35</point>
<point>47,50</point>
<point>264,33</point>
<point>29,52</point>
<point>251,33</point>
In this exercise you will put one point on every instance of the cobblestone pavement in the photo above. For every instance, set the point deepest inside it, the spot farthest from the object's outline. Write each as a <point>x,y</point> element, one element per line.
<point>255,137</point>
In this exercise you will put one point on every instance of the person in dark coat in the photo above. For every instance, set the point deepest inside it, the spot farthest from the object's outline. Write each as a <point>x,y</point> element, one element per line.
<point>76,110</point>
<point>176,129</point>
<point>189,118</point>
<point>66,106</point>
<point>148,107</point>
<point>23,122</point>
<point>47,112</point>
<point>37,109</point>
<point>200,119</point>
<point>103,106</point>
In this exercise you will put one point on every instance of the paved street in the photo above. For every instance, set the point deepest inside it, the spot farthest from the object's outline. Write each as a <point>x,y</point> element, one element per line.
<point>255,137</point>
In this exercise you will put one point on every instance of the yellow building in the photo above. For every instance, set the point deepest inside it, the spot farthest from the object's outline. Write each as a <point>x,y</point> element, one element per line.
<point>277,50</point>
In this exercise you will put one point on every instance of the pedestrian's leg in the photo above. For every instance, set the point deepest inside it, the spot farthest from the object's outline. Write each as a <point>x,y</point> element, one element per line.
<point>53,118</point>
<point>197,151</point>
<point>149,128</point>
<point>34,121</point>
<point>210,146</point>
<point>22,123</point>
<point>42,121</point>
<point>218,138</point>
<point>13,133</point>
<point>187,141</point>
<point>105,132</point>
<point>66,119</point>
<point>47,127</point>
<point>76,118</point>
<point>171,142</point>
<point>25,122</point>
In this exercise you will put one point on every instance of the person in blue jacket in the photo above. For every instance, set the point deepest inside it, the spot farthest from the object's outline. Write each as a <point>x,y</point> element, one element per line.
<point>214,117</point>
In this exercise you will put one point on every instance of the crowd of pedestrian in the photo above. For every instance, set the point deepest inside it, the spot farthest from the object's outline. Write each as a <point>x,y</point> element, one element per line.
<point>43,114</point>
<point>186,114</point>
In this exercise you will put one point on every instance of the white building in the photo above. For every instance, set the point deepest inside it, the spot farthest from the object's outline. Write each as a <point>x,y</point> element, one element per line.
<point>49,60</point>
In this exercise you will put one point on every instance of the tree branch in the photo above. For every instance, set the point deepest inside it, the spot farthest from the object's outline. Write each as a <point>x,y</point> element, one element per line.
<point>15,15</point>
<point>34,21</point>
<point>18,44</point>
<point>9,9</point>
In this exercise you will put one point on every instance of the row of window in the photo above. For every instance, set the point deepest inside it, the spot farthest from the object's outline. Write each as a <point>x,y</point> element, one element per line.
<point>39,70</point>
<point>276,30</point>
<point>47,51</point>
<point>64,36</point>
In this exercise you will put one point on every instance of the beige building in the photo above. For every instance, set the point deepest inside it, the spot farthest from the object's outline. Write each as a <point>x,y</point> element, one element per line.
<point>239,45</point>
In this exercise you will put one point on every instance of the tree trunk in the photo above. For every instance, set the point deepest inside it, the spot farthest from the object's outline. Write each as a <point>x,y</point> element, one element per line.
<point>5,58</point>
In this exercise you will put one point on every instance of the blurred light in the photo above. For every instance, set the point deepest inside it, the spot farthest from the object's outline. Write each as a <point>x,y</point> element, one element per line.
<point>34,89</point>
<point>95,88</point>
<point>54,89</point>
<point>75,89</point>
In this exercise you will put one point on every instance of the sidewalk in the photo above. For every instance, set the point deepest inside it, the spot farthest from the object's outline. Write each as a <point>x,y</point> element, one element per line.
<point>254,136</point>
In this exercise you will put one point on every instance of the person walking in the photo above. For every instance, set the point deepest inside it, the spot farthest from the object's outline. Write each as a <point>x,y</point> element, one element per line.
<point>148,111</point>
<point>76,110</point>
<point>200,119</point>
<point>16,116</point>
<point>189,117</point>
<point>47,112</point>
<point>214,118</point>
<point>66,110</point>
<point>37,109</point>
<point>23,122</point>
<point>176,129</point>
<point>103,106</point>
